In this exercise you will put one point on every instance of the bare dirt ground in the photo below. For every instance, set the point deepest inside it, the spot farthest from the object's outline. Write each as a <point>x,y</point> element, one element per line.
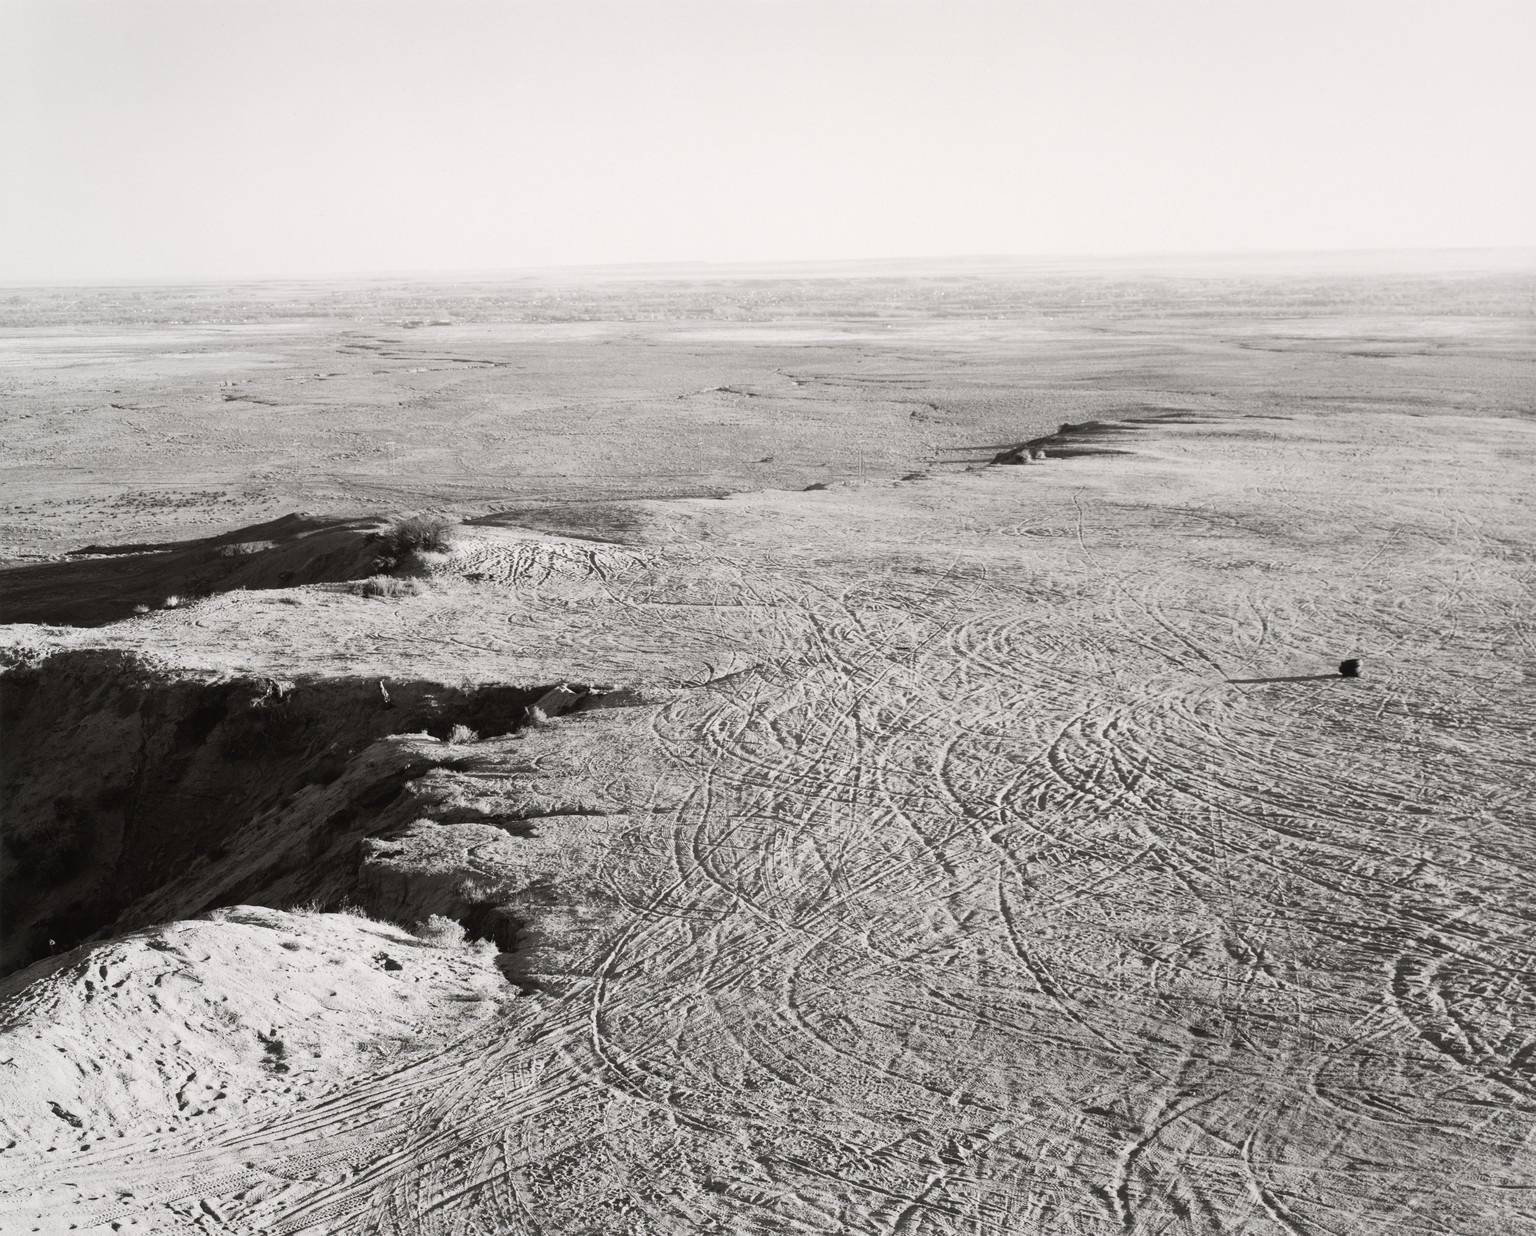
<point>989,851</point>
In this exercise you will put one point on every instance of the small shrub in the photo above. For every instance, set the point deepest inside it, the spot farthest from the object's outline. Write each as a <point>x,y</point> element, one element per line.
<point>461,734</point>
<point>171,602</point>
<point>478,891</point>
<point>322,905</point>
<point>413,535</point>
<point>244,549</point>
<point>387,586</point>
<point>441,930</point>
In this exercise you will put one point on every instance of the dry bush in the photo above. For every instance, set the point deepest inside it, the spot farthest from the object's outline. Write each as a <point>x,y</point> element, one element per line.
<point>476,890</point>
<point>386,586</point>
<point>324,905</point>
<point>440,930</point>
<point>462,734</point>
<point>415,534</point>
<point>244,549</point>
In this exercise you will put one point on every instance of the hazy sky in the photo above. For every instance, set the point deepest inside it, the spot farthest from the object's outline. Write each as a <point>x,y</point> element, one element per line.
<point>140,138</point>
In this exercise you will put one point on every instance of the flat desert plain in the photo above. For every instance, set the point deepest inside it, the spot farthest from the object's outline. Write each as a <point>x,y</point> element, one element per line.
<point>870,759</point>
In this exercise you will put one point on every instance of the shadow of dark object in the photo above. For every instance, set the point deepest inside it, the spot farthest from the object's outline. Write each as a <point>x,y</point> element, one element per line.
<point>1089,437</point>
<point>105,583</point>
<point>1291,678</point>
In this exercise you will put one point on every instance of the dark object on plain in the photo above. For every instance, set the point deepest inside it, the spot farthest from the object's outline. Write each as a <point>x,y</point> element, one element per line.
<point>1349,669</point>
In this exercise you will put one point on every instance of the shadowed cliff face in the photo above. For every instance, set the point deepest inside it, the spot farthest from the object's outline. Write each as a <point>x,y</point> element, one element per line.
<point>132,796</point>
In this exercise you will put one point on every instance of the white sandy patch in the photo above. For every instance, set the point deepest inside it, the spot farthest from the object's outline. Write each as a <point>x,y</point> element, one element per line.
<point>156,1039</point>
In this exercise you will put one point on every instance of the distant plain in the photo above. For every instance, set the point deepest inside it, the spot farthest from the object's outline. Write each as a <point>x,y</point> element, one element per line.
<point>150,413</point>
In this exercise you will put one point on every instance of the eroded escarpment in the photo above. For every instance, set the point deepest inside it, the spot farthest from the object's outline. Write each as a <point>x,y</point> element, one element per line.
<point>135,795</point>
<point>1086,438</point>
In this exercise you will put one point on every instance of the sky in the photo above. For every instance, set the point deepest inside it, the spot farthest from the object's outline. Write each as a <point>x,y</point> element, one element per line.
<point>146,139</point>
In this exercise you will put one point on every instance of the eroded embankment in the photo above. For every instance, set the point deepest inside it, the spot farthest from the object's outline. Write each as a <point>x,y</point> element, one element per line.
<point>1093,437</point>
<point>134,795</point>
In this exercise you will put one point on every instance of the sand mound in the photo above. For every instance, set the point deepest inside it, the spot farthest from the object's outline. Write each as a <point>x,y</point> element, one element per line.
<point>187,1038</point>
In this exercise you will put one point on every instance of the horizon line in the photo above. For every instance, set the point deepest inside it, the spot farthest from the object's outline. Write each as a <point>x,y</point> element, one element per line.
<point>1514,257</point>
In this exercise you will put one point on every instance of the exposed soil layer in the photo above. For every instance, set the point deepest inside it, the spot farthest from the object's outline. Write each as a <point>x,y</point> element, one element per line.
<point>132,795</point>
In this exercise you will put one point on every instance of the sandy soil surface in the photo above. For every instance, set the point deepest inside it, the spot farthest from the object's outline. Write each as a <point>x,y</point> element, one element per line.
<point>991,851</point>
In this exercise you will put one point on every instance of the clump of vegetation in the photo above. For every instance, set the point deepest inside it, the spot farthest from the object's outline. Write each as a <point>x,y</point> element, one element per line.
<point>441,930</point>
<point>416,534</point>
<point>274,1051</point>
<point>387,586</point>
<point>171,602</point>
<point>322,905</point>
<point>462,734</point>
<point>476,891</point>
<point>244,549</point>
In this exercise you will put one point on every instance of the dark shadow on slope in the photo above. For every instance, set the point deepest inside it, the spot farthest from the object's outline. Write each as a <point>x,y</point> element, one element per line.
<point>101,584</point>
<point>614,523</point>
<point>123,785</point>
<point>1093,437</point>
